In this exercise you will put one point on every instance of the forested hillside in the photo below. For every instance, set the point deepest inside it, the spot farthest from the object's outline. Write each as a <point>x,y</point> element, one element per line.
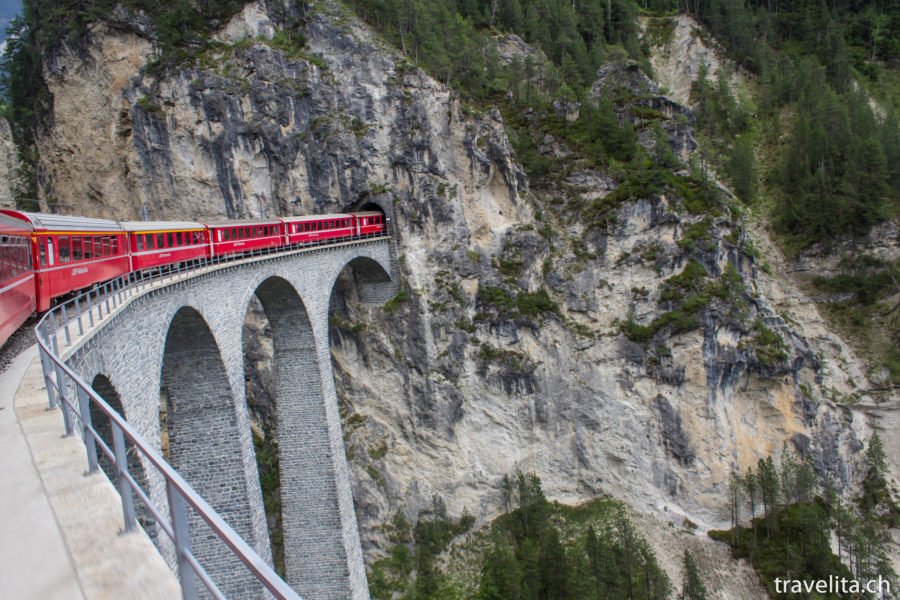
<point>606,321</point>
<point>814,144</point>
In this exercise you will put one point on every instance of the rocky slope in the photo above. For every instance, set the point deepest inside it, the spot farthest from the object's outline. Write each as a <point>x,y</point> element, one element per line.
<point>509,350</point>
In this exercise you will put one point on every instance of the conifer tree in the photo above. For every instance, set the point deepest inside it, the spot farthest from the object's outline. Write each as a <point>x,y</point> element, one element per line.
<point>692,584</point>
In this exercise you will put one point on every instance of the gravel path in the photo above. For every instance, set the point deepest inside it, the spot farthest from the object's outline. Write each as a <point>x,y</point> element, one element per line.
<point>18,342</point>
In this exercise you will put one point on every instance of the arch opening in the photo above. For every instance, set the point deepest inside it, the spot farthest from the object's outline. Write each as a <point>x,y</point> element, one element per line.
<point>203,443</point>
<point>314,552</point>
<point>373,206</point>
<point>103,426</point>
<point>362,280</point>
<point>354,310</point>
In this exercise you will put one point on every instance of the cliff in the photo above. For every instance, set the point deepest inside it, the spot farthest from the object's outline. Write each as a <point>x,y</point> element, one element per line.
<point>640,354</point>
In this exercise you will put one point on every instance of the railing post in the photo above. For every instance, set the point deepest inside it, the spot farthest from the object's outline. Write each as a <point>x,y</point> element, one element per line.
<point>65,317</point>
<point>55,344</point>
<point>178,510</point>
<point>106,287</point>
<point>84,407</point>
<point>63,402</point>
<point>125,490</point>
<point>46,365</point>
<point>78,310</point>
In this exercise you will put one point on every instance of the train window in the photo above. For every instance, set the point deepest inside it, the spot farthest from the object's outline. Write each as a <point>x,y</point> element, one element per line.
<point>198,237</point>
<point>76,248</point>
<point>160,240</point>
<point>150,239</point>
<point>42,248</point>
<point>170,239</point>
<point>64,253</point>
<point>178,239</point>
<point>87,246</point>
<point>241,233</point>
<point>101,248</point>
<point>140,242</point>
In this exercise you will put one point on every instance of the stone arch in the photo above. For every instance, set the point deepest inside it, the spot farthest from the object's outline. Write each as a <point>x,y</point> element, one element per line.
<point>314,551</point>
<point>105,389</point>
<point>204,444</point>
<point>103,426</point>
<point>362,279</point>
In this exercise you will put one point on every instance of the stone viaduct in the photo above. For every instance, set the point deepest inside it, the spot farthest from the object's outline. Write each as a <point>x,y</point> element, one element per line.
<point>172,363</point>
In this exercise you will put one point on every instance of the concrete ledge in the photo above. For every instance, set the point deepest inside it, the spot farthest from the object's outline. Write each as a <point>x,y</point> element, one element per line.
<point>103,562</point>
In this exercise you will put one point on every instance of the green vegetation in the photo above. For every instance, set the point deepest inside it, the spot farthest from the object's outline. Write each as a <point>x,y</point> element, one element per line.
<point>870,316</point>
<point>692,587</point>
<point>837,171</point>
<point>792,534</point>
<point>393,305</point>
<point>514,362</point>
<point>537,549</point>
<point>767,345</point>
<point>689,293</point>
<point>414,572</point>
<point>270,481</point>
<point>524,304</point>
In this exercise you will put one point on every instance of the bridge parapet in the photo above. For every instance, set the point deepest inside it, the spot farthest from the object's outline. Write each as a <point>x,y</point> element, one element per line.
<point>142,338</point>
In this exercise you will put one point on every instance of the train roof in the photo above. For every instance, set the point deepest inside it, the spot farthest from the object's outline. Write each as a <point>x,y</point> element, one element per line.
<point>44,221</point>
<point>10,224</point>
<point>369,213</point>
<point>155,226</point>
<point>316,217</point>
<point>242,222</point>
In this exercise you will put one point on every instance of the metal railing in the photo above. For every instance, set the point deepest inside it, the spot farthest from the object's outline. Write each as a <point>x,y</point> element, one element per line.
<point>68,391</point>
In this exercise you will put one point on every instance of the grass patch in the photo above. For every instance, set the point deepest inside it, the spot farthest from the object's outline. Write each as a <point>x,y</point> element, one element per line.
<point>393,305</point>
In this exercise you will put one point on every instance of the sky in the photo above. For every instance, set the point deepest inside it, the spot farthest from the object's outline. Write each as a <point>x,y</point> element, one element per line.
<point>8,10</point>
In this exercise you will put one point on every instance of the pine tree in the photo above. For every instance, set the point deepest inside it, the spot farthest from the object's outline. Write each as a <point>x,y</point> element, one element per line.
<point>692,585</point>
<point>735,487</point>
<point>750,486</point>
<point>874,485</point>
<point>742,169</point>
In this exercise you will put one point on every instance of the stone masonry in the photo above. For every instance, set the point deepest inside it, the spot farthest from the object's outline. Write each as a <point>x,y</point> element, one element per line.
<point>180,348</point>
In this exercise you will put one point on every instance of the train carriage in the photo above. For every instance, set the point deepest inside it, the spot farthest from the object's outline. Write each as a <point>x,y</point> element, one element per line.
<point>73,253</point>
<point>44,256</point>
<point>234,237</point>
<point>17,291</point>
<point>155,243</point>
<point>314,228</point>
<point>369,222</point>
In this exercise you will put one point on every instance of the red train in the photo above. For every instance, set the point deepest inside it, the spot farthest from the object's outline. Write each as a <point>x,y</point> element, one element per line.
<point>43,257</point>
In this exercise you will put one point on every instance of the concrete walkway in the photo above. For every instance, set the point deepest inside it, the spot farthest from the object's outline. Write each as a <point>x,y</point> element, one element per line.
<point>61,530</point>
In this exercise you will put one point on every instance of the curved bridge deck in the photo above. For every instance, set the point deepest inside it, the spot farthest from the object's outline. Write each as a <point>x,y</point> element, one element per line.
<point>157,368</point>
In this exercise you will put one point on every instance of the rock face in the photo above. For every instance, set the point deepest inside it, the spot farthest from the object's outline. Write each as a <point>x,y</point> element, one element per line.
<point>676,62</point>
<point>9,164</point>
<point>507,352</point>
